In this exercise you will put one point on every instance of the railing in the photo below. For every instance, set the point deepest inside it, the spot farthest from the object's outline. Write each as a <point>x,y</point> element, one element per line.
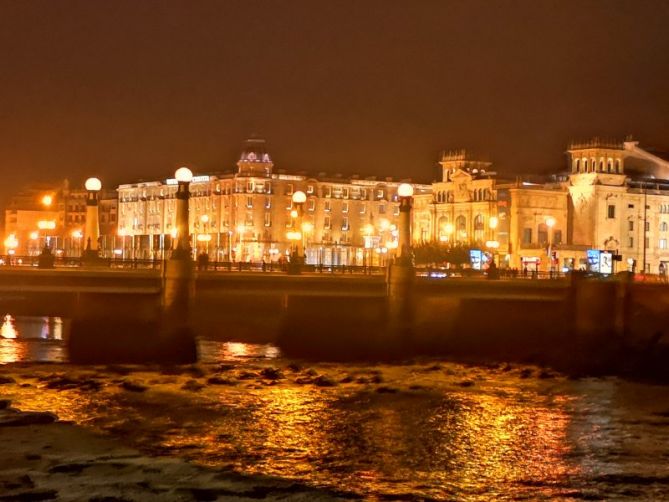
<point>209,266</point>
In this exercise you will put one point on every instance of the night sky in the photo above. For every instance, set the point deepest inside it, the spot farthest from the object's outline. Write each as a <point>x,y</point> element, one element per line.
<point>132,89</point>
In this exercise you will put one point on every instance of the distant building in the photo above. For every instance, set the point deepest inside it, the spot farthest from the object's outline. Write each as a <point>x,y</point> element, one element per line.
<point>246,215</point>
<point>613,197</point>
<point>54,215</point>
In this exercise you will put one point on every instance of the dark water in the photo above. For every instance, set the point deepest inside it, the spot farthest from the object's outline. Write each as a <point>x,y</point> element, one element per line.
<point>424,429</point>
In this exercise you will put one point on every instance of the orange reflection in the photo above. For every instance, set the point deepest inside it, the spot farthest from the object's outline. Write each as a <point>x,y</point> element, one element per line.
<point>8,329</point>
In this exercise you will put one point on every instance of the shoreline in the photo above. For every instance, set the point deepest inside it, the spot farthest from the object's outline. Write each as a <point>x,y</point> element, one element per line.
<point>46,459</point>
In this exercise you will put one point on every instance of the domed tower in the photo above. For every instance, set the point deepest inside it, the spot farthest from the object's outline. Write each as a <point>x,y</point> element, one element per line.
<point>255,161</point>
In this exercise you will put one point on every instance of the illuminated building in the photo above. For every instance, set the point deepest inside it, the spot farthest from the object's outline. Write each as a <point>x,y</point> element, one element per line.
<point>613,197</point>
<point>245,215</point>
<point>55,214</point>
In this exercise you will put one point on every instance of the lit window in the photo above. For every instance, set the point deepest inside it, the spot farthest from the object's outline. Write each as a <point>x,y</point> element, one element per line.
<point>344,207</point>
<point>310,189</point>
<point>268,219</point>
<point>344,224</point>
<point>663,243</point>
<point>327,206</point>
<point>249,202</point>
<point>312,205</point>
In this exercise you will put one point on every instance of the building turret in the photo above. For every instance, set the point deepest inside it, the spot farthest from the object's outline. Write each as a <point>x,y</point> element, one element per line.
<point>255,161</point>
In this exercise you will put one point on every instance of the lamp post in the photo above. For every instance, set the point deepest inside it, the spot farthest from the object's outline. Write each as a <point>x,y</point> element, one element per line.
<point>405,193</point>
<point>550,223</point>
<point>183,176</point>
<point>297,257</point>
<point>92,228</point>
<point>400,278</point>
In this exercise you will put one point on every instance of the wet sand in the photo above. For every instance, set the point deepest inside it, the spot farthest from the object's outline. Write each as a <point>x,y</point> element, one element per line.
<point>44,459</point>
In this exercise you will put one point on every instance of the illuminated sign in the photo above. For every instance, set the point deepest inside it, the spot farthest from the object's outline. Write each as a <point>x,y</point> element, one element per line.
<point>606,262</point>
<point>476,257</point>
<point>593,259</point>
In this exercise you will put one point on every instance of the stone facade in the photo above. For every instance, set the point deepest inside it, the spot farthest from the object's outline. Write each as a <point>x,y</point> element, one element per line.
<point>246,215</point>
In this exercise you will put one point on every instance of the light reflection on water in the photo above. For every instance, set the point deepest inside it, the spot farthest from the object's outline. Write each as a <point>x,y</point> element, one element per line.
<point>31,339</point>
<point>414,431</point>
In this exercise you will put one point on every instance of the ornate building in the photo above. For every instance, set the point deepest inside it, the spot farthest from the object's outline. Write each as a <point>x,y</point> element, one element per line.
<point>614,197</point>
<point>246,215</point>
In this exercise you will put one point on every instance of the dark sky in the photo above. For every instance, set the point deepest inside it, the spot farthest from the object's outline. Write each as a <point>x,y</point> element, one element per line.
<point>132,89</point>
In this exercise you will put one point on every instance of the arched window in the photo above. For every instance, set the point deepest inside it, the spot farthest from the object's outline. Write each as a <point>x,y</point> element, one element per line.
<point>478,228</point>
<point>585,165</point>
<point>663,226</point>
<point>609,165</point>
<point>618,166</point>
<point>461,228</point>
<point>577,165</point>
<point>601,165</point>
<point>444,229</point>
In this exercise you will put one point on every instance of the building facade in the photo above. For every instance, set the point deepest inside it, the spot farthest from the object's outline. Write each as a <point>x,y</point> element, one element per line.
<point>55,216</point>
<point>248,215</point>
<point>613,197</point>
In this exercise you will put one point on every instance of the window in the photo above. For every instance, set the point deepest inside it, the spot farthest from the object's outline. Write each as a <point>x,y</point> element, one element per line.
<point>382,209</point>
<point>327,224</point>
<point>527,236</point>
<point>557,237</point>
<point>289,189</point>
<point>630,242</point>
<point>327,206</point>
<point>663,243</point>
<point>344,224</point>
<point>363,208</point>
<point>268,202</point>
<point>630,226</point>
<point>310,189</point>
<point>327,191</point>
<point>611,211</point>
<point>312,205</point>
<point>379,194</point>
<point>344,207</point>
<point>542,233</point>
<point>268,219</point>
<point>249,186</point>
<point>663,226</point>
<point>647,225</point>
<point>345,193</point>
<point>249,202</point>
<point>630,206</point>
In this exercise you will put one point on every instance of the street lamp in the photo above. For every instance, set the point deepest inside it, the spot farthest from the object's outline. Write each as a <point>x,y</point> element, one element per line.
<point>405,193</point>
<point>47,200</point>
<point>297,258</point>
<point>550,223</point>
<point>184,176</point>
<point>92,229</point>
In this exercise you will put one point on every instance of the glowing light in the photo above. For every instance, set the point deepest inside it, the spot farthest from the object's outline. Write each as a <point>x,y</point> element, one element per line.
<point>550,222</point>
<point>8,329</point>
<point>174,232</point>
<point>241,228</point>
<point>204,218</point>
<point>368,229</point>
<point>307,226</point>
<point>492,244</point>
<point>294,235</point>
<point>77,234</point>
<point>299,197</point>
<point>11,242</point>
<point>493,222</point>
<point>93,185</point>
<point>47,200</point>
<point>204,237</point>
<point>405,190</point>
<point>34,236</point>
<point>384,224</point>
<point>183,175</point>
<point>122,232</point>
<point>293,213</point>
<point>46,224</point>
<point>449,228</point>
